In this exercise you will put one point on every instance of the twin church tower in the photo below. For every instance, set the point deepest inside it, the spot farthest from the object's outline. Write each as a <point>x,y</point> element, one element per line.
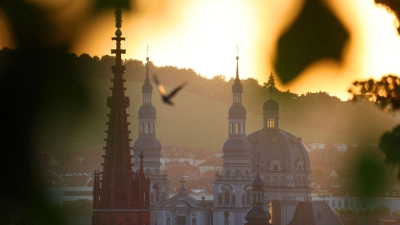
<point>269,160</point>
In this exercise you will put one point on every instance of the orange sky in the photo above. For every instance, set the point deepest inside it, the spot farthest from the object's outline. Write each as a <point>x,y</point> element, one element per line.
<point>203,35</point>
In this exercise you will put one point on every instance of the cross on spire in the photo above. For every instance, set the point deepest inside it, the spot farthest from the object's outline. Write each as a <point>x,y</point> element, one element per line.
<point>237,50</point>
<point>182,181</point>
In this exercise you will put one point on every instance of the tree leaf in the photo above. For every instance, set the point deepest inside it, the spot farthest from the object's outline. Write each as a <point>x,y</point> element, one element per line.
<point>316,34</point>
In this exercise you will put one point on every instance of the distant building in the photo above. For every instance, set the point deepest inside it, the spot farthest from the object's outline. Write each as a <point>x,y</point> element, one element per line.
<point>284,168</point>
<point>150,146</point>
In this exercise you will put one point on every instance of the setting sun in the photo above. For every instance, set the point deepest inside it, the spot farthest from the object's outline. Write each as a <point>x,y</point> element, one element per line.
<point>204,35</point>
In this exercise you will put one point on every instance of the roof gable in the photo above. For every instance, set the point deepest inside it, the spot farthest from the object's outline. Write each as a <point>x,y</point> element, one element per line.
<point>179,201</point>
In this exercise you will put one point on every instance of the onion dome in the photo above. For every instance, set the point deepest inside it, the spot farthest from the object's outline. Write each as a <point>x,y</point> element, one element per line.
<point>237,87</point>
<point>271,105</point>
<point>147,87</point>
<point>236,145</point>
<point>257,182</point>
<point>237,111</point>
<point>147,110</point>
<point>147,144</point>
<point>257,214</point>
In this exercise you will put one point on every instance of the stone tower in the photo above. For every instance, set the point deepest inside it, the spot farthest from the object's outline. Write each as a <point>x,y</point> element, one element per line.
<point>120,196</point>
<point>149,145</point>
<point>232,187</point>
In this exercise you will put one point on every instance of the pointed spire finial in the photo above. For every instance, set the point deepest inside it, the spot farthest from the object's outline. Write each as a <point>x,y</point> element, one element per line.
<point>237,63</point>
<point>258,160</point>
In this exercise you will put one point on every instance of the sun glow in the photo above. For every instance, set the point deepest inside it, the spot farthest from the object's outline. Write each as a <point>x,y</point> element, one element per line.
<point>203,35</point>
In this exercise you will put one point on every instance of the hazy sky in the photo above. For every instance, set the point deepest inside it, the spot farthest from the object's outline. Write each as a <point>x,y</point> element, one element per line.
<point>203,35</point>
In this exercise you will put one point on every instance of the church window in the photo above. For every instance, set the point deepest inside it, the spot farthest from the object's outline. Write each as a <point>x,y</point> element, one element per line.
<point>141,127</point>
<point>168,222</point>
<point>227,196</point>
<point>300,165</point>
<point>270,122</point>
<point>231,129</point>
<point>248,197</point>
<point>275,165</point>
<point>238,173</point>
<point>220,199</point>
<point>194,221</point>
<point>181,220</point>
<point>148,128</point>
<point>239,131</point>
<point>228,173</point>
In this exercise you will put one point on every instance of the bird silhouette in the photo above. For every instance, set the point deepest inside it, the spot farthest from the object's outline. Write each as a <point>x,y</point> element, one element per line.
<point>167,97</point>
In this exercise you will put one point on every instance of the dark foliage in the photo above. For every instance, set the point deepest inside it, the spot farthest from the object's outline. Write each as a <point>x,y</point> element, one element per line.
<point>315,34</point>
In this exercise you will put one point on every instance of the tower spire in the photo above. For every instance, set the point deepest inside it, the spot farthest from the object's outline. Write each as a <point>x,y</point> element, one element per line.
<point>237,64</point>
<point>117,189</point>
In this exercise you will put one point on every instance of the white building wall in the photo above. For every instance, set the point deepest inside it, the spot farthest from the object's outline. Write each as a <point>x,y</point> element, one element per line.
<point>359,204</point>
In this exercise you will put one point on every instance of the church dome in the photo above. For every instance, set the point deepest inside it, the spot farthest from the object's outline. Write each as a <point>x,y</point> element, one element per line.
<point>236,146</point>
<point>257,213</point>
<point>237,110</point>
<point>280,152</point>
<point>147,110</point>
<point>271,105</point>
<point>147,87</point>
<point>147,144</point>
<point>237,87</point>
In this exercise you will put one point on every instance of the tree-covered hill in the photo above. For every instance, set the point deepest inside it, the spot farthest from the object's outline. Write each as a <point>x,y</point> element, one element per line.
<point>199,117</point>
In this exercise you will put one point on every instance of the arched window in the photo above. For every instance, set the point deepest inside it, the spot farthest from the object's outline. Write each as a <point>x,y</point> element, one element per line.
<point>270,122</point>
<point>228,173</point>
<point>238,173</point>
<point>194,221</point>
<point>248,197</point>
<point>168,222</point>
<point>227,196</point>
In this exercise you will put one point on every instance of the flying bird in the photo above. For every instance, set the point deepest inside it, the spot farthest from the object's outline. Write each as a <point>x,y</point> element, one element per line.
<point>167,97</point>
